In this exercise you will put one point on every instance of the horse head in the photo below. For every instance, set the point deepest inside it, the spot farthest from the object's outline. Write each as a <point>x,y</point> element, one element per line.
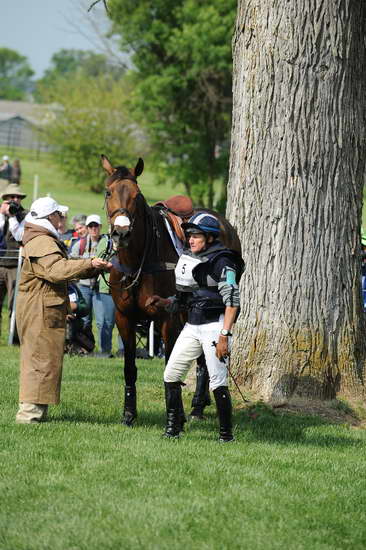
<point>122,198</point>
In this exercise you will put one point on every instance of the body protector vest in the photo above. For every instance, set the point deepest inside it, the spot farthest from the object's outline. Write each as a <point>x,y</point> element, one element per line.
<point>200,275</point>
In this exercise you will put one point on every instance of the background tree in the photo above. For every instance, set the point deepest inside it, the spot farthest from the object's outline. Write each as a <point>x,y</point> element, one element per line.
<point>181,52</point>
<point>295,194</point>
<point>66,63</point>
<point>15,75</point>
<point>90,118</point>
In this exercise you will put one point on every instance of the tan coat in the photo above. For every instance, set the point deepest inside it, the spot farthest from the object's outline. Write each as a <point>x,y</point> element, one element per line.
<point>41,309</point>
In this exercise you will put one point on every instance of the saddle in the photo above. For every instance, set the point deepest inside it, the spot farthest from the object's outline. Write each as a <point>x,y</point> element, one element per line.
<point>175,210</point>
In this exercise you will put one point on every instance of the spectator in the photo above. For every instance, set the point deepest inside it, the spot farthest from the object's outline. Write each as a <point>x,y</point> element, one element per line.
<point>12,215</point>
<point>66,234</point>
<point>80,231</point>
<point>16,172</point>
<point>104,309</point>
<point>5,169</point>
<point>101,304</point>
<point>79,341</point>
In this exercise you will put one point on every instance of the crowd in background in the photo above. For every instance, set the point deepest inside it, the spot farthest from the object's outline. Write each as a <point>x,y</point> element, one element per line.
<point>11,173</point>
<point>86,240</point>
<point>89,298</point>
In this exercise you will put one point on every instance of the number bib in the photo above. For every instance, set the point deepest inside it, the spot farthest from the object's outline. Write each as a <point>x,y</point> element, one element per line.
<point>184,280</point>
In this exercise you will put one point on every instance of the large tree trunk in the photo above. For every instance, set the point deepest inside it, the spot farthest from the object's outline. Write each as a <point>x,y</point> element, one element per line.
<point>295,195</point>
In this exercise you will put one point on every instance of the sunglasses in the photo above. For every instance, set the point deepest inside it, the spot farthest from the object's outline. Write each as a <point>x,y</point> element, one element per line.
<point>93,224</point>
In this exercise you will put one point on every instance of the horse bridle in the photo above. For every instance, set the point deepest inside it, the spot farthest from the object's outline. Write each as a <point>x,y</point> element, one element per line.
<point>132,219</point>
<point>121,210</point>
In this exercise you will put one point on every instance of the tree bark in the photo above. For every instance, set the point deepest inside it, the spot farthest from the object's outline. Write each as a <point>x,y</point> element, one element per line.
<point>295,195</point>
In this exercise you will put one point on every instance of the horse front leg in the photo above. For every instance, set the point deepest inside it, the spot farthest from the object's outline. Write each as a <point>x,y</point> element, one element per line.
<point>127,330</point>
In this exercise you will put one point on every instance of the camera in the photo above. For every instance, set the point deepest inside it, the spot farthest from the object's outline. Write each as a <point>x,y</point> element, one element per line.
<point>14,208</point>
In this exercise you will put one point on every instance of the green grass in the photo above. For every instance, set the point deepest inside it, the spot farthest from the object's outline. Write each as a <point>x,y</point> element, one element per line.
<point>82,481</point>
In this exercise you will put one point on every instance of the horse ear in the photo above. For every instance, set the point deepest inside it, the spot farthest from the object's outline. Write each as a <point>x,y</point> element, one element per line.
<point>107,165</point>
<point>139,168</point>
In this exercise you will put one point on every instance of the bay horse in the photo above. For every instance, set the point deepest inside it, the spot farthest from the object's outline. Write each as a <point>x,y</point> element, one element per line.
<point>143,266</point>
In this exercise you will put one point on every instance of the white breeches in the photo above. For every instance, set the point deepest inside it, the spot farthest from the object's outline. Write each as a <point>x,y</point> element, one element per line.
<point>191,342</point>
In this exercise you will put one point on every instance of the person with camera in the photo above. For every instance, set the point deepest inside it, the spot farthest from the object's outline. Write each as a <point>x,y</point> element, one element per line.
<point>12,215</point>
<point>42,307</point>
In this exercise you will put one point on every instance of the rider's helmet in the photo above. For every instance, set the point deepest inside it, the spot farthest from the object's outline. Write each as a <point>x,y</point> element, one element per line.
<point>202,222</point>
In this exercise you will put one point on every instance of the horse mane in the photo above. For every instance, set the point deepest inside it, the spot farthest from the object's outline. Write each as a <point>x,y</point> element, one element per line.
<point>164,251</point>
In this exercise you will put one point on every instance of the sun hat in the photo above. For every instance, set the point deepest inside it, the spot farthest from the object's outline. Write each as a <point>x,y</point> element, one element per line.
<point>93,218</point>
<point>5,157</point>
<point>13,189</point>
<point>202,222</point>
<point>44,206</point>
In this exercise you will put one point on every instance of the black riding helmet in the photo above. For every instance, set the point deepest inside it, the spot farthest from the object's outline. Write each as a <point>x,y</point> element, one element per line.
<point>202,222</point>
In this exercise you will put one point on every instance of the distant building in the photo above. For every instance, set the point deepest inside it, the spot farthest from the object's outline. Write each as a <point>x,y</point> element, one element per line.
<point>21,125</point>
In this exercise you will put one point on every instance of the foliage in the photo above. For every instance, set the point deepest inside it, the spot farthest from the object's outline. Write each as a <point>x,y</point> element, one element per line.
<point>181,50</point>
<point>84,481</point>
<point>90,118</point>
<point>71,63</point>
<point>15,75</point>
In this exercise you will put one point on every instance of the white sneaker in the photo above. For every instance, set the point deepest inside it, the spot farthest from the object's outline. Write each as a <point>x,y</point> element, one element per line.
<point>31,413</point>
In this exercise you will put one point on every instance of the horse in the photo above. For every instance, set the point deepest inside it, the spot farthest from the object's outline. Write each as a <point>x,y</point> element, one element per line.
<point>143,266</point>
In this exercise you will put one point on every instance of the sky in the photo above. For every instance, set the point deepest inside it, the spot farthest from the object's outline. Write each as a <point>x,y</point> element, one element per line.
<point>39,28</point>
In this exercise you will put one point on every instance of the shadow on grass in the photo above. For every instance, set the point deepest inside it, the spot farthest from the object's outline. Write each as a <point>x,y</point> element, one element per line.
<point>256,424</point>
<point>145,418</point>
<point>262,424</point>
<point>78,415</point>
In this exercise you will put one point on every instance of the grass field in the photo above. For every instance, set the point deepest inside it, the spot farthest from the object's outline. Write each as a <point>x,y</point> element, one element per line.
<point>82,481</point>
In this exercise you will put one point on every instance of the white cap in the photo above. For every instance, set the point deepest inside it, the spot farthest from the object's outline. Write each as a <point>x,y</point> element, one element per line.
<point>45,206</point>
<point>5,157</point>
<point>93,218</point>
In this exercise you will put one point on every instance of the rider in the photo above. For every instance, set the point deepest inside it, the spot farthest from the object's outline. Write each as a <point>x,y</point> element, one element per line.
<point>177,210</point>
<point>207,279</point>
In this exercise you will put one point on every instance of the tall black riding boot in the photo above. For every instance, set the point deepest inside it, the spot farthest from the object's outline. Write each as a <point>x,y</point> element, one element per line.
<point>129,411</point>
<point>224,410</point>
<point>201,398</point>
<point>174,409</point>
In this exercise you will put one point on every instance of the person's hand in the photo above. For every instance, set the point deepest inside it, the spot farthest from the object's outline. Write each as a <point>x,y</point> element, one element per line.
<point>70,317</point>
<point>157,301</point>
<point>98,263</point>
<point>222,348</point>
<point>4,208</point>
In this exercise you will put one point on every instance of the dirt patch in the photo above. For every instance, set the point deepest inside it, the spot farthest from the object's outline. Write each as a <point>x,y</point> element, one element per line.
<point>335,411</point>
